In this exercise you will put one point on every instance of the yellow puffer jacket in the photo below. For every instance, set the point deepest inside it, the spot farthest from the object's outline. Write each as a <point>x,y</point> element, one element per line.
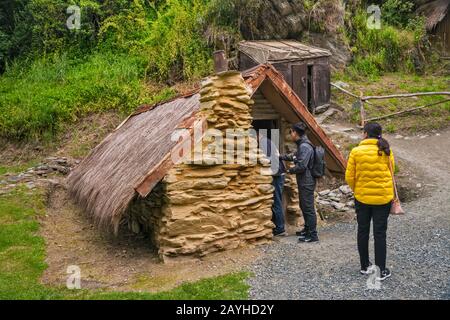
<point>368,174</point>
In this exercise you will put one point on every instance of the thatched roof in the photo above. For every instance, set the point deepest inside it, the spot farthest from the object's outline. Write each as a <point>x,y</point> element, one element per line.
<point>104,183</point>
<point>136,156</point>
<point>434,12</point>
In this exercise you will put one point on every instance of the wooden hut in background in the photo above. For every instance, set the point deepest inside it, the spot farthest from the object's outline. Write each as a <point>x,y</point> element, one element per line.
<point>437,22</point>
<point>305,68</point>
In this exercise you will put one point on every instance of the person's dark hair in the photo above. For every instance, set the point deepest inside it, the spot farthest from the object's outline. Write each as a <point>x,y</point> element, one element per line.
<point>375,131</point>
<point>300,128</point>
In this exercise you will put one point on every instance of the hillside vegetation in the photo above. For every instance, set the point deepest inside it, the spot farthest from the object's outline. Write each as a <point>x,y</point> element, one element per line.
<point>127,53</point>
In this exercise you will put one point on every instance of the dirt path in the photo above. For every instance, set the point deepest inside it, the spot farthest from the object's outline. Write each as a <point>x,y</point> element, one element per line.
<point>418,243</point>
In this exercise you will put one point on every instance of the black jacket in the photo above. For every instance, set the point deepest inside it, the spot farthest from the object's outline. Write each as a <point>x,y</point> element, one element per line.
<point>303,160</point>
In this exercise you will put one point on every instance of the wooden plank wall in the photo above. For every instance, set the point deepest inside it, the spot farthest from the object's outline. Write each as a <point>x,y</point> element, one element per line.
<point>443,34</point>
<point>262,109</point>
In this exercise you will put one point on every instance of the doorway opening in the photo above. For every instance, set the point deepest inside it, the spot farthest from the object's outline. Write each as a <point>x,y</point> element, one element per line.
<point>267,125</point>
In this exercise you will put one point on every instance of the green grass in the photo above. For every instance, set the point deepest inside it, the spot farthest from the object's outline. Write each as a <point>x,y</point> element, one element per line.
<point>231,286</point>
<point>65,75</point>
<point>22,251</point>
<point>17,168</point>
<point>22,261</point>
<point>35,101</point>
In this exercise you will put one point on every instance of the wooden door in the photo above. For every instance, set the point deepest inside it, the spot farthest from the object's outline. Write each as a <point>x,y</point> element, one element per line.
<point>300,81</point>
<point>321,85</point>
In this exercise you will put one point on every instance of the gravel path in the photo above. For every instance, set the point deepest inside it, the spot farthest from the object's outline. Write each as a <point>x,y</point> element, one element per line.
<point>418,245</point>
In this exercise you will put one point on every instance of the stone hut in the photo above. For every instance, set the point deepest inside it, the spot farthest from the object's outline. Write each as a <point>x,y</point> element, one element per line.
<point>156,174</point>
<point>305,68</point>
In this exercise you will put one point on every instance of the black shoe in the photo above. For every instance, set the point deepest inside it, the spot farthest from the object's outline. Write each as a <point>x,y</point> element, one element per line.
<point>301,233</point>
<point>366,270</point>
<point>386,273</point>
<point>280,234</point>
<point>308,238</point>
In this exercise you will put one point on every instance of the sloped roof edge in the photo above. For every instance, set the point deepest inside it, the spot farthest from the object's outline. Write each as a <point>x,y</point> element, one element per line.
<point>434,12</point>
<point>257,75</point>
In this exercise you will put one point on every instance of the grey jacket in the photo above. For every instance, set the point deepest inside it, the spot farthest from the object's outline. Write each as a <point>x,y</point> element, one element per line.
<point>303,160</point>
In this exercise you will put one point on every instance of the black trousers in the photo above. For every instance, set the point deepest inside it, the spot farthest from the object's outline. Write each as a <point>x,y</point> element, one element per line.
<point>306,195</point>
<point>379,214</point>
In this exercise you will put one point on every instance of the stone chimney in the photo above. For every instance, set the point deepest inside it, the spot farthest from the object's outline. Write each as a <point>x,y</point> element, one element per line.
<point>211,205</point>
<point>225,98</point>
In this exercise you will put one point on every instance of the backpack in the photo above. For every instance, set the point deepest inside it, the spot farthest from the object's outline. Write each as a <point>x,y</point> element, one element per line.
<point>318,167</point>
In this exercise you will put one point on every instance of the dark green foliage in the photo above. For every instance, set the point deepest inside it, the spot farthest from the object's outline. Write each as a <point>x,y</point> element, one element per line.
<point>15,32</point>
<point>397,12</point>
<point>230,21</point>
<point>177,49</point>
<point>53,75</point>
<point>235,16</point>
<point>169,32</point>
<point>38,27</point>
<point>387,49</point>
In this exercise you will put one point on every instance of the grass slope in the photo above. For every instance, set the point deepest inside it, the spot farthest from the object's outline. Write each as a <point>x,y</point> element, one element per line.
<point>35,102</point>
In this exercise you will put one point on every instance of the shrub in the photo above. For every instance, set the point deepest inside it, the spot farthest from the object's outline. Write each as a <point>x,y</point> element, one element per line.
<point>37,28</point>
<point>380,50</point>
<point>127,29</point>
<point>57,75</point>
<point>177,49</point>
<point>397,12</point>
<point>366,66</point>
<point>239,15</point>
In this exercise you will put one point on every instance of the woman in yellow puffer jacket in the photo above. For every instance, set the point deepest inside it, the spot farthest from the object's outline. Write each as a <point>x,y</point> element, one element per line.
<point>370,178</point>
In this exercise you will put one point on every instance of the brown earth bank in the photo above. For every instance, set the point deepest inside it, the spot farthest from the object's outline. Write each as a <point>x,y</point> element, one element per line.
<point>75,142</point>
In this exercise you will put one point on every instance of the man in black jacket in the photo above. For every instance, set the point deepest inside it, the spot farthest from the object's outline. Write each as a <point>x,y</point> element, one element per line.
<point>303,160</point>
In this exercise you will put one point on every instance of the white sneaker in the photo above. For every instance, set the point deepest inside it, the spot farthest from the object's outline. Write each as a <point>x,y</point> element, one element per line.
<point>367,270</point>
<point>386,273</point>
